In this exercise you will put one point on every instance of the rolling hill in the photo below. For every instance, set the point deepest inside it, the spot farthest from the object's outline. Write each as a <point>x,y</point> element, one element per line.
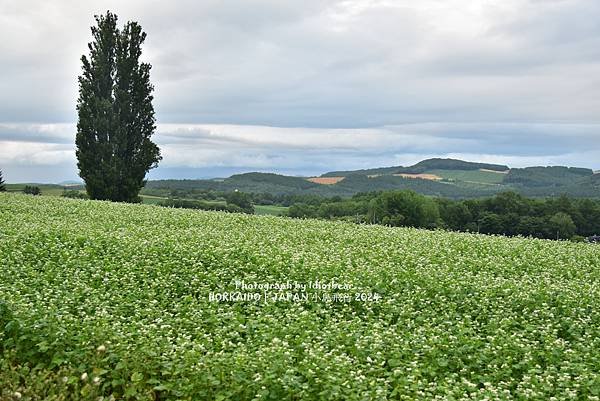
<point>455,179</point>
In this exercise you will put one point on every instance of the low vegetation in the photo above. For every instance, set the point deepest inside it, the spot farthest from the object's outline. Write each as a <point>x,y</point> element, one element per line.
<point>200,205</point>
<point>109,300</point>
<point>32,190</point>
<point>74,194</point>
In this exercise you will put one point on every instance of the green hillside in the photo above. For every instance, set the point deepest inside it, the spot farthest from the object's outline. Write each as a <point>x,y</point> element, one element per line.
<point>472,176</point>
<point>370,171</point>
<point>451,164</point>
<point>547,176</point>
<point>46,189</point>
<point>112,301</point>
<point>458,180</point>
<point>352,184</point>
<point>421,167</point>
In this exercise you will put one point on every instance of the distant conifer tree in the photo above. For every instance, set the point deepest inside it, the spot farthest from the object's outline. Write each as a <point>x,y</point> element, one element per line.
<point>116,116</point>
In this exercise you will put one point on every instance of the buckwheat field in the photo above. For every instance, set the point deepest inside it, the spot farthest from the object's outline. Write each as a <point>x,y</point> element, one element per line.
<point>102,301</point>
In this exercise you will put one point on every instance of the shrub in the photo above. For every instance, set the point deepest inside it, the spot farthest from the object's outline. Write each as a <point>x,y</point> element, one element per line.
<point>74,194</point>
<point>32,190</point>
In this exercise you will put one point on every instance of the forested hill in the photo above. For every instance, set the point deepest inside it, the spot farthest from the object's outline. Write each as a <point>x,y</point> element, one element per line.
<point>422,167</point>
<point>449,178</point>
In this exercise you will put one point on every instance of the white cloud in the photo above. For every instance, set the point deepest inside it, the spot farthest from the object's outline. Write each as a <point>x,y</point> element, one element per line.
<point>216,150</point>
<point>35,154</point>
<point>357,83</point>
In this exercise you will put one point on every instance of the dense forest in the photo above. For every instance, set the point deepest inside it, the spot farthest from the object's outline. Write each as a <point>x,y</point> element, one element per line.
<point>507,213</point>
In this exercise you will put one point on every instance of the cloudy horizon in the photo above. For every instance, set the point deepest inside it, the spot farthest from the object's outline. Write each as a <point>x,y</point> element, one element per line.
<point>305,87</point>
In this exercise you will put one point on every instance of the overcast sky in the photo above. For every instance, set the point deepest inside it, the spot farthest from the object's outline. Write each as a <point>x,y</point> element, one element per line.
<point>303,87</point>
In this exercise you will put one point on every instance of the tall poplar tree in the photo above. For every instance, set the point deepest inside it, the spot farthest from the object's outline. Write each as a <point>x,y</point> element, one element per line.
<point>116,116</point>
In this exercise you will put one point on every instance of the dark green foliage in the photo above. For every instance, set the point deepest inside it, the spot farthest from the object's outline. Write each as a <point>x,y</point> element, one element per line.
<point>276,179</point>
<point>116,116</point>
<point>490,223</point>
<point>302,210</point>
<point>546,176</point>
<point>506,214</point>
<point>2,186</point>
<point>241,200</point>
<point>32,190</point>
<point>507,202</point>
<point>587,217</point>
<point>533,226</point>
<point>562,224</point>
<point>73,194</point>
<point>449,164</point>
<point>456,216</point>
<point>403,208</point>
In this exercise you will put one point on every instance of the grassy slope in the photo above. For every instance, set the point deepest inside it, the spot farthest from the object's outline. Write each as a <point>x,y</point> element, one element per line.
<point>480,317</point>
<point>258,209</point>
<point>152,200</point>
<point>270,210</point>
<point>478,176</point>
<point>54,190</point>
<point>47,189</point>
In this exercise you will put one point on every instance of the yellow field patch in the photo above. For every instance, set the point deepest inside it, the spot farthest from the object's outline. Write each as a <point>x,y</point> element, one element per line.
<point>325,180</point>
<point>422,176</point>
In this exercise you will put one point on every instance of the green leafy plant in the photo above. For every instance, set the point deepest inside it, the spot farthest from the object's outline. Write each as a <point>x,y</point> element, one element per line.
<point>111,300</point>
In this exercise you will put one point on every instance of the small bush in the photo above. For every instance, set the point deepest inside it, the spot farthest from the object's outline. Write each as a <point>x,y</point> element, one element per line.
<point>74,194</point>
<point>32,190</point>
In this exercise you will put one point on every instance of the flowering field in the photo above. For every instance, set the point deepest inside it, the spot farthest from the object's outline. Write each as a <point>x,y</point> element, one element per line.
<point>113,300</point>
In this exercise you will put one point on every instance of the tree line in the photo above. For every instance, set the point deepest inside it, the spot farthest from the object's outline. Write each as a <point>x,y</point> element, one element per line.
<point>507,213</point>
<point>236,202</point>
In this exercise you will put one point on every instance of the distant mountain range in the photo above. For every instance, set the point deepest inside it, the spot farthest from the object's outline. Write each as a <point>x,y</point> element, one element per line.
<point>449,178</point>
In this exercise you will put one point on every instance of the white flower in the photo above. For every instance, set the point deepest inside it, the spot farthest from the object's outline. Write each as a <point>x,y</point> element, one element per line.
<point>17,395</point>
<point>96,380</point>
<point>84,376</point>
<point>101,348</point>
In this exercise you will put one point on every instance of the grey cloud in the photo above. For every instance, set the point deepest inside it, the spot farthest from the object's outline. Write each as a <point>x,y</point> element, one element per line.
<point>200,151</point>
<point>313,85</point>
<point>319,64</point>
<point>38,133</point>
